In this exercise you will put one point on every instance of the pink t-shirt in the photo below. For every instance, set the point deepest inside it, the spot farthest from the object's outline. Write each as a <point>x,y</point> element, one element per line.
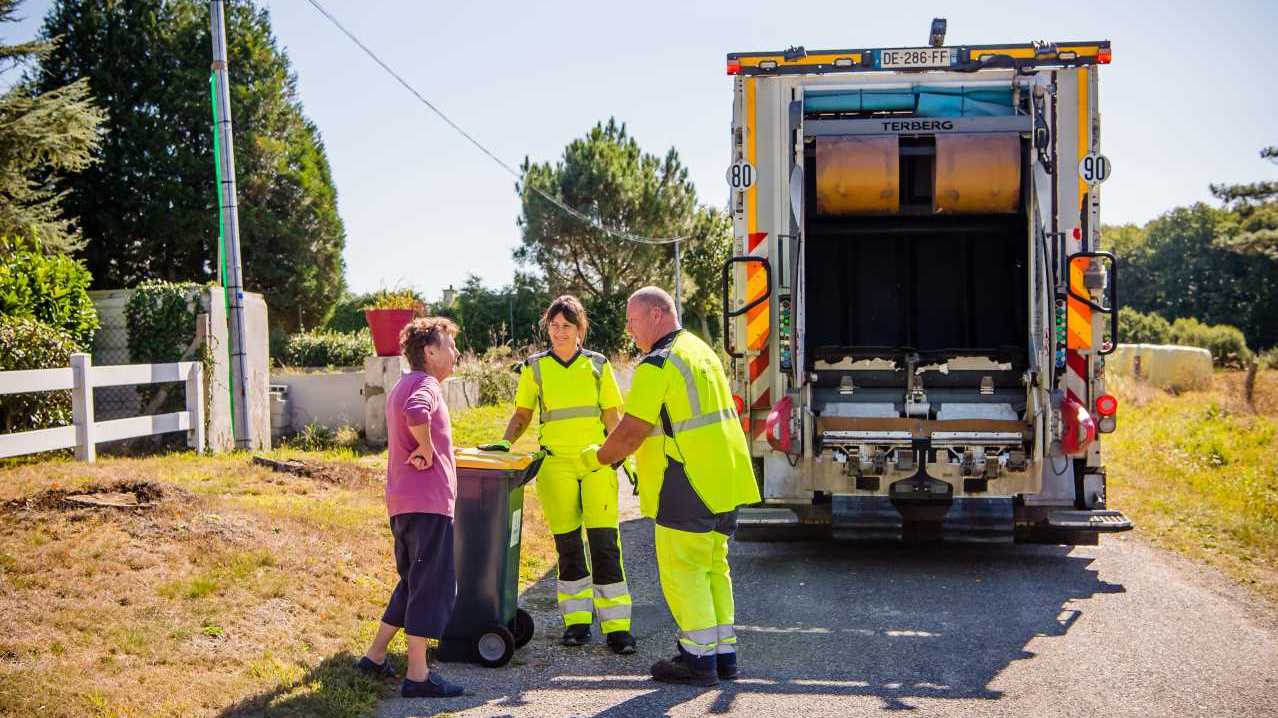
<point>416,400</point>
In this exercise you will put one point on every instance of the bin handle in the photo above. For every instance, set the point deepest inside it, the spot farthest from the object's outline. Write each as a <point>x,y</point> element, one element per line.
<point>530,471</point>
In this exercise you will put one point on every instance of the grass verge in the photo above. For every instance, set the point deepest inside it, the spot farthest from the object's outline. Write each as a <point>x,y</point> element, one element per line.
<point>1198,474</point>
<point>240,592</point>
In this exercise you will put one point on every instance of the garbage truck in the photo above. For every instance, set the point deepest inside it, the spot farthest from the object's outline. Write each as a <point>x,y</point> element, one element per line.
<point>916,310</point>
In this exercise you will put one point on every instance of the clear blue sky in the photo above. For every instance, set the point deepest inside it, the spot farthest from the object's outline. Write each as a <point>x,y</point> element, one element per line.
<point>1189,100</point>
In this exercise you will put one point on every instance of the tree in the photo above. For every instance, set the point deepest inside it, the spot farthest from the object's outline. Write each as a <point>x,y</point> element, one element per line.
<point>505,317</point>
<point>1252,228</point>
<point>607,176</point>
<point>149,209</point>
<point>41,136</point>
<point>1173,267</point>
<point>709,246</point>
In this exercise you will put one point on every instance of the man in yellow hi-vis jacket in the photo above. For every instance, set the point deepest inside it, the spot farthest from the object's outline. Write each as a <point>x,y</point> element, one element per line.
<point>694,471</point>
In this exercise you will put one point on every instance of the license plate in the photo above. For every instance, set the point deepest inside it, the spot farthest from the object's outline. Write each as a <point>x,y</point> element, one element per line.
<point>915,57</point>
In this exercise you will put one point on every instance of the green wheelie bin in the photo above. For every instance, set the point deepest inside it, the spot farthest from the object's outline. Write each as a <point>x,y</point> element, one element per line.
<point>487,624</point>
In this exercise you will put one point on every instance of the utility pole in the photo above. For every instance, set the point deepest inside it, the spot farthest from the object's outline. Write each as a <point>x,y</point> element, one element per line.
<point>233,278</point>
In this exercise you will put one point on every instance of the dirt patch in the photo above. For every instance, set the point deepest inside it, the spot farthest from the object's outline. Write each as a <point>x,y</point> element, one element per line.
<point>121,495</point>
<point>328,472</point>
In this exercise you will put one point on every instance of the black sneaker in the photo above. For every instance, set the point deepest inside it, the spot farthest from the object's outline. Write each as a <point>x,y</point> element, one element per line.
<point>621,643</point>
<point>726,666</point>
<point>366,666</point>
<point>686,670</point>
<point>435,686</point>
<point>577,634</point>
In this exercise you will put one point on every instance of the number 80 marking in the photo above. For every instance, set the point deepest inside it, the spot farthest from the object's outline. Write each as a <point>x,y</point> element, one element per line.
<point>741,175</point>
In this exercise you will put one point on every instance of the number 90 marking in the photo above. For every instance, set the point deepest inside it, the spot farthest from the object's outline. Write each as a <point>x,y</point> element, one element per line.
<point>1094,168</point>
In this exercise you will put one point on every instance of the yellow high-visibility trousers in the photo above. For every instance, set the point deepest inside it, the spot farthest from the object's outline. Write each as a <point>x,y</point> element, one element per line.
<point>571,500</point>
<point>698,588</point>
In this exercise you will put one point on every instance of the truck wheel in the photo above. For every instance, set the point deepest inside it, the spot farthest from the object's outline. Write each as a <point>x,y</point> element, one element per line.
<point>522,627</point>
<point>494,646</point>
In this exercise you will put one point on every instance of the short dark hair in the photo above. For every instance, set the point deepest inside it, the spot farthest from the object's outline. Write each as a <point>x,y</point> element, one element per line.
<point>421,333</point>
<point>571,308</point>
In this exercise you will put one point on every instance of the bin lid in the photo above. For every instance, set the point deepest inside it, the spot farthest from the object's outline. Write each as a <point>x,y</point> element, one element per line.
<point>493,460</point>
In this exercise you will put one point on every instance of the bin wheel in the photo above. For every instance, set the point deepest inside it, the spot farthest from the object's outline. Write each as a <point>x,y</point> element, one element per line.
<point>494,646</point>
<point>522,627</point>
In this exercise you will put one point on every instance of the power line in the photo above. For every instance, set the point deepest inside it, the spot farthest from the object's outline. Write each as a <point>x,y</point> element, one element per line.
<point>583,217</point>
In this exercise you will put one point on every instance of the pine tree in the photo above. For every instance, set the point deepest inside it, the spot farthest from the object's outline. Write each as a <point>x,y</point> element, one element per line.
<point>150,208</point>
<point>42,136</point>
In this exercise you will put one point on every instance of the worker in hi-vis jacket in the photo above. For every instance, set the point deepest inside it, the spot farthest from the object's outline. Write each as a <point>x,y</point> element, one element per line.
<point>694,470</point>
<point>579,400</point>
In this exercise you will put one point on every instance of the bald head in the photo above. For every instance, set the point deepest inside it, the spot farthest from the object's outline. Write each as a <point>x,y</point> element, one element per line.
<point>650,315</point>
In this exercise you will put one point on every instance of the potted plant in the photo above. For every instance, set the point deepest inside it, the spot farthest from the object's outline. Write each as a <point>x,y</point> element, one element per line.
<point>387,315</point>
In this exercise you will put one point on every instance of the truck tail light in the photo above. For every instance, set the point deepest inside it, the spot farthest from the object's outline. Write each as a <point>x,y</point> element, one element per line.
<point>734,67</point>
<point>740,404</point>
<point>1106,405</point>
<point>1104,55</point>
<point>1078,429</point>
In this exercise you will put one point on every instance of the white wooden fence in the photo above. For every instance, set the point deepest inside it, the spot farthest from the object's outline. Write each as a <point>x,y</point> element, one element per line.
<point>84,434</point>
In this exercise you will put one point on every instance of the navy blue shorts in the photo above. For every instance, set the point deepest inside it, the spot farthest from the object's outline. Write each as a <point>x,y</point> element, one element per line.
<point>423,599</point>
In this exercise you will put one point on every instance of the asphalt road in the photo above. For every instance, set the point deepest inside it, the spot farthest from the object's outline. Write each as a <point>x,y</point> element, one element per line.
<point>832,629</point>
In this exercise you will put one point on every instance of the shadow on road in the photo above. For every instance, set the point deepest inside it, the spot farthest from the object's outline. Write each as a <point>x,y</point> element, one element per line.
<point>814,619</point>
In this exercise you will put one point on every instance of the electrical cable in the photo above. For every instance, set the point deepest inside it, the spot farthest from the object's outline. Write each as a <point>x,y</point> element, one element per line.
<point>577,214</point>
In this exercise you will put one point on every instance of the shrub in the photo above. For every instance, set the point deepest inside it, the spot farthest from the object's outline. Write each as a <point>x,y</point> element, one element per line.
<point>497,382</point>
<point>1137,328</point>
<point>348,315</point>
<point>397,299</point>
<point>1226,343</point>
<point>317,437</point>
<point>28,344</point>
<point>161,320</point>
<point>51,289</point>
<point>328,348</point>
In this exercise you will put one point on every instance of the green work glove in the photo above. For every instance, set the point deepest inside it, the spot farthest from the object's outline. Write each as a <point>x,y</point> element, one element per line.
<point>632,473</point>
<point>589,458</point>
<point>502,445</point>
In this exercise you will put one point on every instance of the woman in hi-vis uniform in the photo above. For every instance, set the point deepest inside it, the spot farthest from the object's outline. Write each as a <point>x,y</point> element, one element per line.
<point>579,401</point>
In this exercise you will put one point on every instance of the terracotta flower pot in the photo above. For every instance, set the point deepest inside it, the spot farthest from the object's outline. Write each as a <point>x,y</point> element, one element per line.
<point>385,325</point>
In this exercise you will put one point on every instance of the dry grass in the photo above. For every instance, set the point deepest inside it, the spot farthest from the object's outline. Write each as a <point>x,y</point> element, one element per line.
<point>240,592</point>
<point>1198,473</point>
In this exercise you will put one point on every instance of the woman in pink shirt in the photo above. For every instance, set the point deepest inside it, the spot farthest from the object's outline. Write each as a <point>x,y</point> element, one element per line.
<point>421,487</point>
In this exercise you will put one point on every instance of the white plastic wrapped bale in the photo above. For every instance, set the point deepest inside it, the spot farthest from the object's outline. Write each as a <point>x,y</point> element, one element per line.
<point>1166,366</point>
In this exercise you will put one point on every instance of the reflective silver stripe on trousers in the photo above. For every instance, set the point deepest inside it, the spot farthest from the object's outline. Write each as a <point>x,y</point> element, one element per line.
<point>572,412</point>
<point>699,643</point>
<point>572,588</point>
<point>576,605</point>
<point>727,639</point>
<point>613,613</point>
<point>612,590</point>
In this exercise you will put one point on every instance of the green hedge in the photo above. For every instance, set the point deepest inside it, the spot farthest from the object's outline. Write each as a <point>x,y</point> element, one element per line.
<point>1137,328</point>
<point>1226,343</point>
<point>51,289</point>
<point>328,348</point>
<point>29,344</point>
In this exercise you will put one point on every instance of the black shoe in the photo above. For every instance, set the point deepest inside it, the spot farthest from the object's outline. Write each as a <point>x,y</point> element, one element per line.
<point>435,686</point>
<point>621,643</point>
<point>577,634</point>
<point>726,666</point>
<point>366,666</point>
<point>686,670</point>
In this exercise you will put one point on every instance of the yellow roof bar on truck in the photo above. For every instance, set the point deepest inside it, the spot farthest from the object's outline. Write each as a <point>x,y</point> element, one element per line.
<point>797,60</point>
